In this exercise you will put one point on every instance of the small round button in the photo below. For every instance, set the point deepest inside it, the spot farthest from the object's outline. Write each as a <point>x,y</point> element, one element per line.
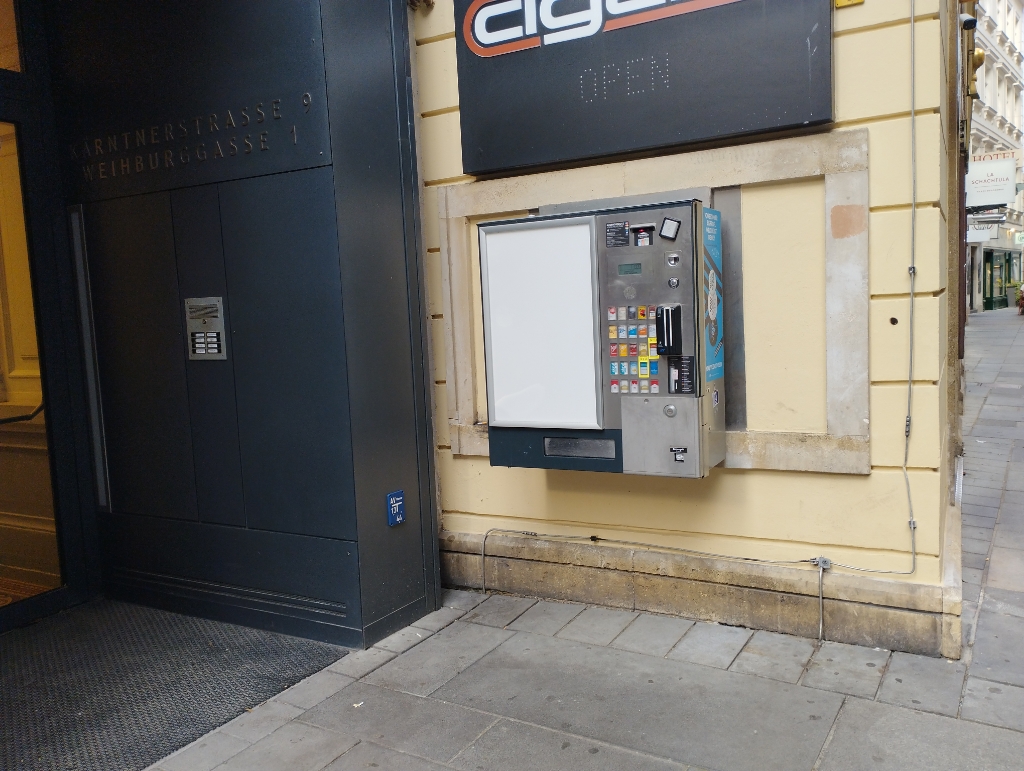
<point>673,282</point>
<point>670,410</point>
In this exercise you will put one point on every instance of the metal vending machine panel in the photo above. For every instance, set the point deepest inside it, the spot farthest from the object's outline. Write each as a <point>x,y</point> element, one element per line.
<point>660,342</point>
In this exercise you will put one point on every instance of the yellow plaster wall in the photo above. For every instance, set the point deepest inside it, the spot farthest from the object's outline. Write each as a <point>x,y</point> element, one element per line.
<point>10,57</point>
<point>19,355</point>
<point>784,259</point>
<point>772,514</point>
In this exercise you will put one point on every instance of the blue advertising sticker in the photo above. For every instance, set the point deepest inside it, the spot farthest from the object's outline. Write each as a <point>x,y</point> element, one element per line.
<point>714,329</point>
<point>396,508</point>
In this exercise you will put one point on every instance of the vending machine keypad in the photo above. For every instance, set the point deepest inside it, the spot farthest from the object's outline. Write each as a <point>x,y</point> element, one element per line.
<point>650,328</point>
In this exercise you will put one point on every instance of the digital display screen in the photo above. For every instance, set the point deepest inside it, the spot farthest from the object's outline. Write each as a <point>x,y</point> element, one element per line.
<point>630,269</point>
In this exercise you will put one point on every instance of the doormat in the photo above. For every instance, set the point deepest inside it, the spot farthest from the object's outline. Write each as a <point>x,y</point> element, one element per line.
<point>117,687</point>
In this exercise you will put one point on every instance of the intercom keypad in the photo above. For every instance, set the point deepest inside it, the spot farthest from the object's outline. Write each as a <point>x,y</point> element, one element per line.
<point>204,321</point>
<point>205,342</point>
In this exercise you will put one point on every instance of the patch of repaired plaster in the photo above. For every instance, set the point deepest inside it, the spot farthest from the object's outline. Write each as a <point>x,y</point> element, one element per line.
<point>849,220</point>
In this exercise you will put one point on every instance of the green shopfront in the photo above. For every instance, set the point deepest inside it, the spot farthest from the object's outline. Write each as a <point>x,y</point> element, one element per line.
<point>1000,268</point>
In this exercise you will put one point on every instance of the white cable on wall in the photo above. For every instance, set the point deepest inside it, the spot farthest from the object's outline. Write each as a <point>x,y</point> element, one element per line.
<point>913,281</point>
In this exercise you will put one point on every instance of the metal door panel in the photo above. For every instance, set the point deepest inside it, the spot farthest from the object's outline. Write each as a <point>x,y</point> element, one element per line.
<point>140,346</point>
<point>211,384</point>
<point>288,336</point>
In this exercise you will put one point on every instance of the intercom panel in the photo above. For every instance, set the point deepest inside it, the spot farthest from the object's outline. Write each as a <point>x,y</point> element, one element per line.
<point>656,294</point>
<point>204,323</point>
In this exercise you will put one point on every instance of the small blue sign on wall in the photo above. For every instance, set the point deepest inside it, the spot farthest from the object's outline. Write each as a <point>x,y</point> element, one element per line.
<point>396,508</point>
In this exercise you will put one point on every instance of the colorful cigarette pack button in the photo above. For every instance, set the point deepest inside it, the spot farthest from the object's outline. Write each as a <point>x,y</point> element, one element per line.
<point>624,386</point>
<point>613,333</point>
<point>641,331</point>
<point>622,331</point>
<point>615,386</point>
<point>613,349</point>
<point>633,368</point>
<point>634,386</point>
<point>624,349</point>
<point>632,330</point>
<point>645,368</point>
<point>654,367</point>
<point>633,349</point>
<point>641,312</point>
<point>613,313</point>
<point>621,312</point>
<point>654,387</point>
<point>645,387</point>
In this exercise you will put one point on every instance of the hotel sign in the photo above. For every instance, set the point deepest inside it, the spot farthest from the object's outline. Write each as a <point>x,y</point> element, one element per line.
<point>545,82</point>
<point>992,183</point>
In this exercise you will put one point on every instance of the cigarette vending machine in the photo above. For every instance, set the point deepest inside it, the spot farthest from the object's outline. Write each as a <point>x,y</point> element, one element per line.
<point>603,340</point>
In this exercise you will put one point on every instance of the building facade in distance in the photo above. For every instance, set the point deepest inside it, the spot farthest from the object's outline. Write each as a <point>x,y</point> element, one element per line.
<point>996,132</point>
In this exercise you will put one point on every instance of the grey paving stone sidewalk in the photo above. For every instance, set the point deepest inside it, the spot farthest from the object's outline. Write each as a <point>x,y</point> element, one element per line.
<point>629,694</point>
<point>498,682</point>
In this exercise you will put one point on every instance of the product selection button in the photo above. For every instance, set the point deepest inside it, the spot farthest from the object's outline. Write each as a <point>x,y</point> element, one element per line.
<point>622,331</point>
<point>613,349</point>
<point>615,386</point>
<point>652,311</point>
<point>645,387</point>
<point>641,312</point>
<point>645,368</point>
<point>621,312</point>
<point>614,367</point>
<point>623,349</point>
<point>631,315</point>
<point>613,333</point>
<point>634,386</point>
<point>643,350</point>
<point>633,368</point>
<point>654,387</point>
<point>624,386</point>
<point>613,313</point>
<point>632,330</point>
<point>641,331</point>
<point>654,367</point>
<point>634,350</point>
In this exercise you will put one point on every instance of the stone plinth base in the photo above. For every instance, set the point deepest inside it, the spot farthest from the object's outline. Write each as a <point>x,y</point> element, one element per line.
<point>862,610</point>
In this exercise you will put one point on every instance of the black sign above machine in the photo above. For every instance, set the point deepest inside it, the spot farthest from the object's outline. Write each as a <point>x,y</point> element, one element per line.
<point>545,82</point>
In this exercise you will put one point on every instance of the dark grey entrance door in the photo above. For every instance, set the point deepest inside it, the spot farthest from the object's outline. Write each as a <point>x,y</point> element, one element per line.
<point>46,534</point>
<point>248,167</point>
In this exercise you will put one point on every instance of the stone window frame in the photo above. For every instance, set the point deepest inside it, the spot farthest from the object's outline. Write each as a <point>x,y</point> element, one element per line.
<point>840,157</point>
